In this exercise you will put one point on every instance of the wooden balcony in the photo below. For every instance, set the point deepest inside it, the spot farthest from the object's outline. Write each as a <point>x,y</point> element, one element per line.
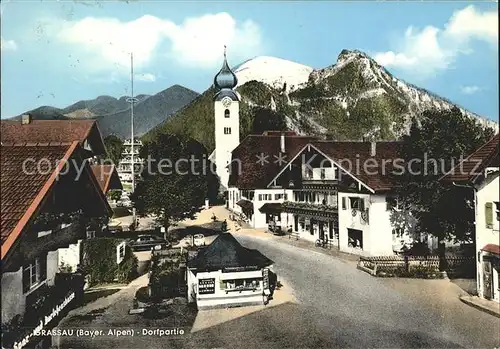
<point>313,210</point>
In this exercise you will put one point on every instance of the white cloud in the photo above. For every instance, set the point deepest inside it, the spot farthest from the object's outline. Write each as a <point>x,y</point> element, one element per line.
<point>425,52</point>
<point>197,42</point>
<point>146,77</point>
<point>469,90</point>
<point>7,45</point>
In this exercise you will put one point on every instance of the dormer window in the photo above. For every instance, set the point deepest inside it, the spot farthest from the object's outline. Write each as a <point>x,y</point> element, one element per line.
<point>226,113</point>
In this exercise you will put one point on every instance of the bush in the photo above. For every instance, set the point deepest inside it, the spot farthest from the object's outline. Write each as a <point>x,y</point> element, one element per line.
<point>419,272</point>
<point>99,261</point>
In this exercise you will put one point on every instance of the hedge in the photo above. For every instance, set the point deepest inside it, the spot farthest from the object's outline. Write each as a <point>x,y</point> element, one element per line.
<point>99,261</point>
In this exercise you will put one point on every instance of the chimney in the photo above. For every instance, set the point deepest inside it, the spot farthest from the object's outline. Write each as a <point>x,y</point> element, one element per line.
<point>373,150</point>
<point>26,119</point>
<point>282,142</point>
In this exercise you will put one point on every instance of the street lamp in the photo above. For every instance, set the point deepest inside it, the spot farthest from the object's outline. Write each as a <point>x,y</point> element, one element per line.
<point>132,100</point>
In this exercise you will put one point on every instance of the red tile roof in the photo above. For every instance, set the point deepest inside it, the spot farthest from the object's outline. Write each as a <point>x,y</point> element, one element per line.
<point>470,168</point>
<point>492,248</point>
<point>45,131</point>
<point>107,177</point>
<point>22,190</point>
<point>253,174</point>
<point>355,157</point>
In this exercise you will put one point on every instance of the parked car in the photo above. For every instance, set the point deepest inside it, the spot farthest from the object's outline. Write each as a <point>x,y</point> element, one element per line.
<point>148,242</point>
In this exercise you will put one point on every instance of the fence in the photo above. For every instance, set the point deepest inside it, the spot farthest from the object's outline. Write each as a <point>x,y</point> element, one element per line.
<point>456,266</point>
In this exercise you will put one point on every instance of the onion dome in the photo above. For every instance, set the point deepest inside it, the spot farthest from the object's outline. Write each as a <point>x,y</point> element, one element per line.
<point>225,78</point>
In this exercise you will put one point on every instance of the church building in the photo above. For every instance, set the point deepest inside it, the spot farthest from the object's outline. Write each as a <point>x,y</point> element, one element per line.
<point>227,121</point>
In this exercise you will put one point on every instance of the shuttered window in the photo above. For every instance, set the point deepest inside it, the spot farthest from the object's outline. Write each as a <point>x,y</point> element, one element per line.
<point>489,214</point>
<point>344,203</point>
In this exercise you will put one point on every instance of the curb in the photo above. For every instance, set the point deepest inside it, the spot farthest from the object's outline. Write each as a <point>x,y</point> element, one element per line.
<point>474,305</point>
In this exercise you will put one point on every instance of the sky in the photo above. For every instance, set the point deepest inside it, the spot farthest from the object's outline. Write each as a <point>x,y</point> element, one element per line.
<point>59,52</point>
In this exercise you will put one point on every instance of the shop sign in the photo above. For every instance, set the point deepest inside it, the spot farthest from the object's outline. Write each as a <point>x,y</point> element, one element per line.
<point>206,286</point>
<point>46,320</point>
<point>265,281</point>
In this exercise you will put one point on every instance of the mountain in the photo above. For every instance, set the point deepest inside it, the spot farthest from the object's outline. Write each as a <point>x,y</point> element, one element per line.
<point>349,100</point>
<point>113,114</point>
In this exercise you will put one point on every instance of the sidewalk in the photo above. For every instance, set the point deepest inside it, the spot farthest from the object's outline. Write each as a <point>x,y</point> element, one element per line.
<point>490,307</point>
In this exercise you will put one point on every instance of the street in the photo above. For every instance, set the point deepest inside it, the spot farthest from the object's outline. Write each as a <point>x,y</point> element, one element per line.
<point>338,306</point>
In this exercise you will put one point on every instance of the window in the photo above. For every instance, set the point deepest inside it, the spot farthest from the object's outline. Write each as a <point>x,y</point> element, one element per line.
<point>90,234</point>
<point>226,113</point>
<point>227,130</point>
<point>489,214</point>
<point>265,197</point>
<point>497,204</point>
<point>34,273</point>
<point>357,203</point>
<point>355,238</point>
<point>279,196</point>
<point>322,173</point>
<point>241,284</point>
<point>309,173</point>
<point>344,203</point>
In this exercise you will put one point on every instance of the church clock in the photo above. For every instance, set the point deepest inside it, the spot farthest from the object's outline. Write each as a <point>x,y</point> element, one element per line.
<point>226,102</point>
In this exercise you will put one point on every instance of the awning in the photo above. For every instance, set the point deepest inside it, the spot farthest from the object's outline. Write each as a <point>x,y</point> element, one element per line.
<point>245,204</point>
<point>271,207</point>
<point>492,248</point>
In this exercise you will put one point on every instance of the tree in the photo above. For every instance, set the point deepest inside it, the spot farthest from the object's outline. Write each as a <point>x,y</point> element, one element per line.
<point>432,149</point>
<point>177,179</point>
<point>114,148</point>
<point>267,120</point>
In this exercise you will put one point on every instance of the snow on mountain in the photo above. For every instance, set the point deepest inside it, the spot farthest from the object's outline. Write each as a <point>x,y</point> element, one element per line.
<point>274,72</point>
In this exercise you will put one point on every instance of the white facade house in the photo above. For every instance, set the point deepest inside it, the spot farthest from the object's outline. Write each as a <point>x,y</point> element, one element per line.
<point>317,193</point>
<point>481,174</point>
<point>227,121</point>
<point>226,274</point>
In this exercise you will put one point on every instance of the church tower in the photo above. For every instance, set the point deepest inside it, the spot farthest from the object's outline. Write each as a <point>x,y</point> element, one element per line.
<point>227,120</point>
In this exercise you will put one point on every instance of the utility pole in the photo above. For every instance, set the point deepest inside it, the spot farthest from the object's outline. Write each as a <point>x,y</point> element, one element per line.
<point>132,100</point>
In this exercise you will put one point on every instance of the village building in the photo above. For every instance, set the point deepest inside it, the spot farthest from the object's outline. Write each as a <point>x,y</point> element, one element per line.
<point>49,200</point>
<point>226,274</point>
<point>480,172</point>
<point>338,193</point>
<point>28,130</point>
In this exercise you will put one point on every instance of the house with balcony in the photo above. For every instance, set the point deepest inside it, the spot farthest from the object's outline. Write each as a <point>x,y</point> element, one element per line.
<point>339,192</point>
<point>51,200</point>
<point>255,161</point>
<point>130,157</point>
<point>479,172</point>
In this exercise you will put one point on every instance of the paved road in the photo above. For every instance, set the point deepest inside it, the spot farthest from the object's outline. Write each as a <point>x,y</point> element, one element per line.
<point>339,307</point>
